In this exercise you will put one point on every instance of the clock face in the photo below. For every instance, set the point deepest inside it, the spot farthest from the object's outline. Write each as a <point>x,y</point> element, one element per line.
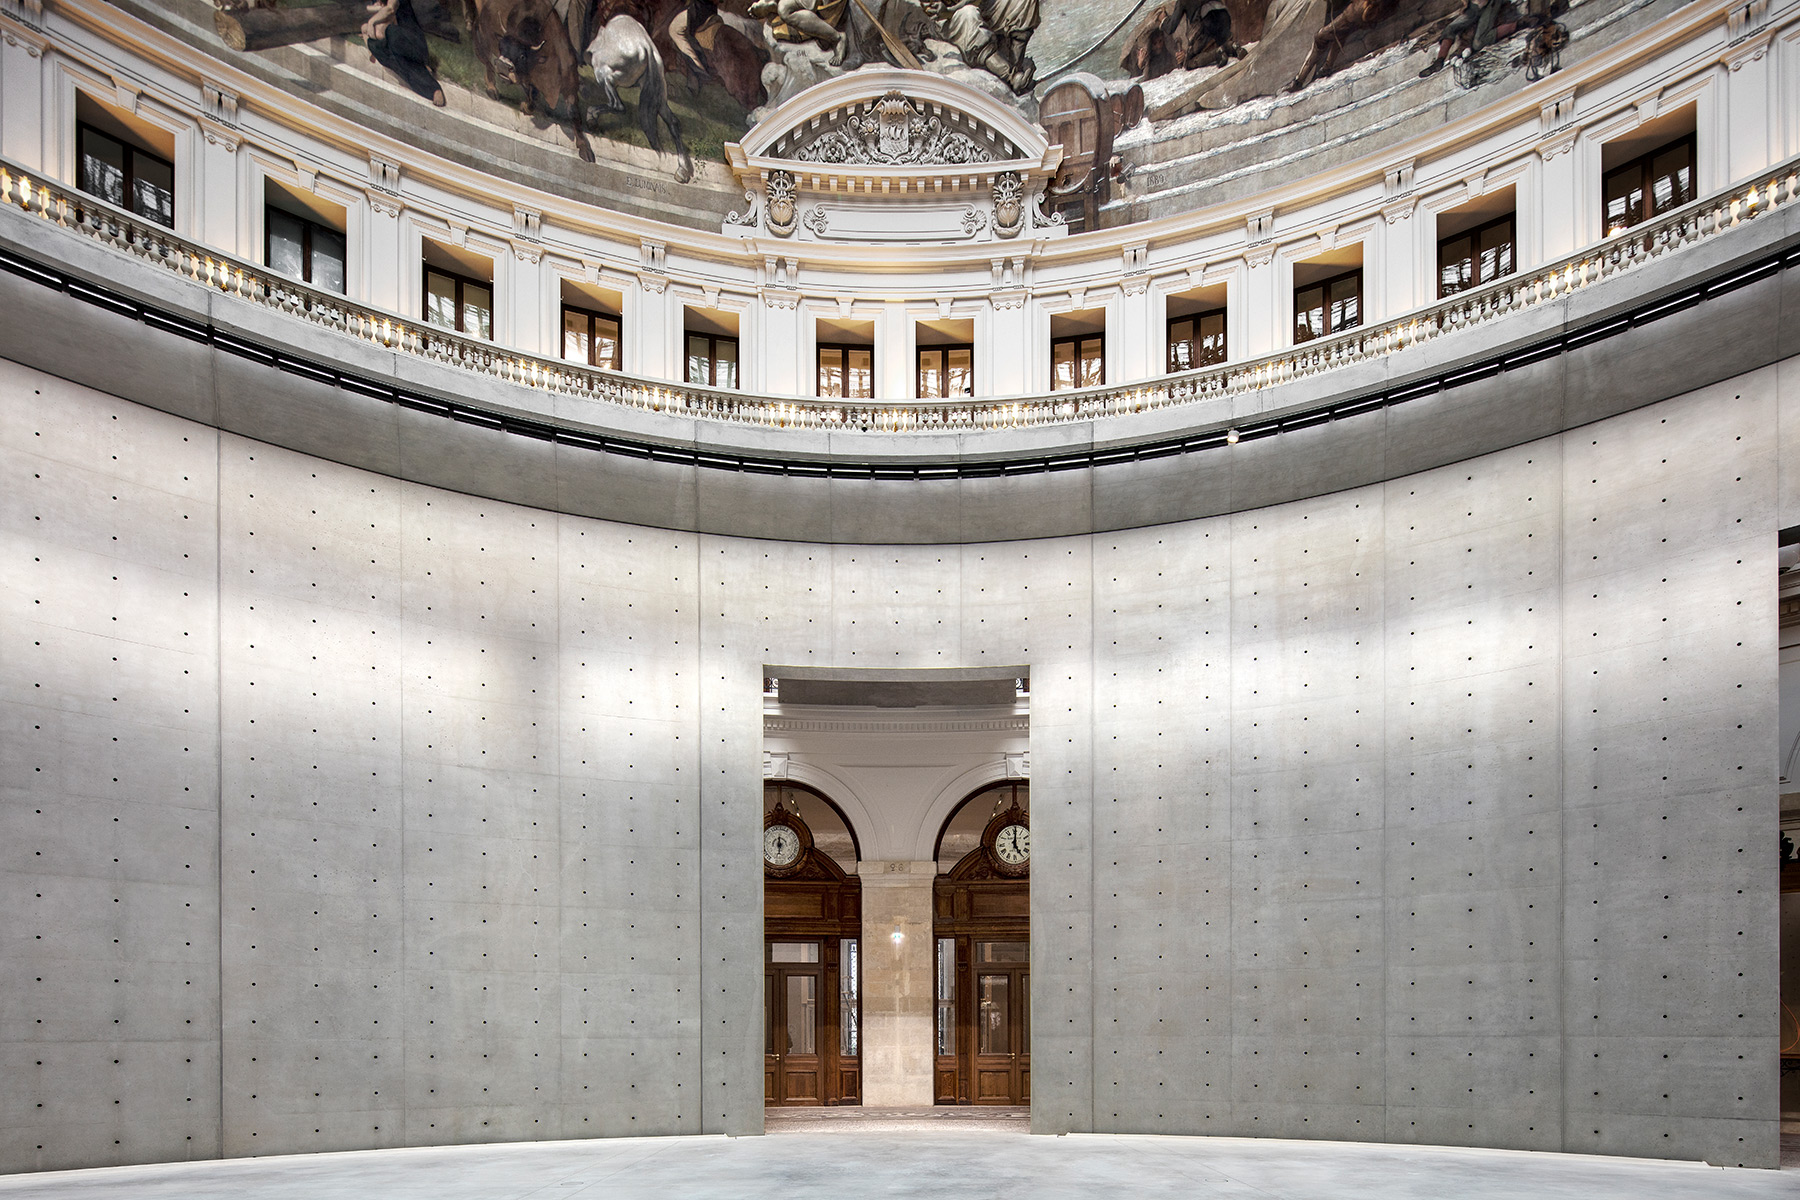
<point>781,846</point>
<point>1013,845</point>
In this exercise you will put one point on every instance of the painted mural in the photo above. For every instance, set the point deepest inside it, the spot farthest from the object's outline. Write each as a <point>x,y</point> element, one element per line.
<point>681,78</point>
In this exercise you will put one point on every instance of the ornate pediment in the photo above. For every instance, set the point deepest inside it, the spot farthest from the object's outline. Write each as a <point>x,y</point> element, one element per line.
<point>890,156</point>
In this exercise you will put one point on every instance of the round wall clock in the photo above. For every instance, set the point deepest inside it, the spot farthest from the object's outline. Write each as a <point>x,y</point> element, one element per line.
<point>786,840</point>
<point>1007,840</point>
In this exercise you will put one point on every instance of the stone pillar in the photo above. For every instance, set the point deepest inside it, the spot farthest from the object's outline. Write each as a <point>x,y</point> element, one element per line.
<point>897,989</point>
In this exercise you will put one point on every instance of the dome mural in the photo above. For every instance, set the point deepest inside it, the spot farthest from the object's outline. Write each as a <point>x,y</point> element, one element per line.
<point>631,103</point>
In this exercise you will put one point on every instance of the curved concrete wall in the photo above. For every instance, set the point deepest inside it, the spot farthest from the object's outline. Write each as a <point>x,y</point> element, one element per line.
<point>343,811</point>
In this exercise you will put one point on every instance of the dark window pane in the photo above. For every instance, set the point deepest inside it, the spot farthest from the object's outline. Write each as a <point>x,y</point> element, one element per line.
<point>102,169</point>
<point>1062,366</point>
<point>1093,362</point>
<point>1309,314</point>
<point>287,244</point>
<point>699,359</point>
<point>328,258</point>
<point>153,188</point>
<point>931,374</point>
<point>831,372</point>
<point>1346,303</point>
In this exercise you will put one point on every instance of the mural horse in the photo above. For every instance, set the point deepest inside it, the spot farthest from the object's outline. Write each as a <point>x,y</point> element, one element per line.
<point>623,55</point>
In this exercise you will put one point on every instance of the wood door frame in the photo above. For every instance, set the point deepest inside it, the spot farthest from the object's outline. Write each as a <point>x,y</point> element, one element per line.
<point>815,900</point>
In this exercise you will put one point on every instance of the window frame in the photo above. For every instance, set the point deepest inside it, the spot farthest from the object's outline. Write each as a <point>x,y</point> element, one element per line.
<point>844,349</point>
<point>943,349</point>
<point>1325,283</point>
<point>132,150</point>
<point>307,225</point>
<point>1644,164</point>
<point>592,315</point>
<point>1076,340</point>
<point>1475,232</point>
<point>1169,342</point>
<point>712,357</point>
<point>461,304</point>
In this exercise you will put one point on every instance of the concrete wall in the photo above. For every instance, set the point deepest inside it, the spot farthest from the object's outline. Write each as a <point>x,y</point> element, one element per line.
<point>341,811</point>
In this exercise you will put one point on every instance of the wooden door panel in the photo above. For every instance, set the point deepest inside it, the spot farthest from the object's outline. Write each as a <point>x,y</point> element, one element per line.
<point>802,1084</point>
<point>993,1085</point>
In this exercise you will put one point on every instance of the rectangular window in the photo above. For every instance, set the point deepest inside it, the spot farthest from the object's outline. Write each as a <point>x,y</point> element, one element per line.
<point>1077,362</point>
<point>126,175</point>
<point>846,372</point>
<point>590,337</point>
<point>1649,185</point>
<point>302,249</point>
<point>1476,256</point>
<point>1328,306</point>
<point>946,996</point>
<point>712,360</point>
<point>849,996</point>
<point>459,302</point>
<point>946,372</point>
<point>1197,340</point>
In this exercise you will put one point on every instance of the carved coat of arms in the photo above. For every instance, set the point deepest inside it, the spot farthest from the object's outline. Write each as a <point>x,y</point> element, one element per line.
<point>894,132</point>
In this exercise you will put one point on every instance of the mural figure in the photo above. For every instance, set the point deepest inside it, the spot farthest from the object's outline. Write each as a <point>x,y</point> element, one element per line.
<point>624,56</point>
<point>992,35</point>
<point>1183,37</point>
<point>1355,17</point>
<point>396,40</point>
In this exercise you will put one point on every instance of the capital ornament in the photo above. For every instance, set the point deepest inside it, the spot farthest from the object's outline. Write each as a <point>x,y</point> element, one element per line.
<point>783,214</point>
<point>1009,204</point>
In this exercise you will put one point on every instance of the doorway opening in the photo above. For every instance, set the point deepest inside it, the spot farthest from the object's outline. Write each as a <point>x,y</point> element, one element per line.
<point>812,960</point>
<point>981,907</point>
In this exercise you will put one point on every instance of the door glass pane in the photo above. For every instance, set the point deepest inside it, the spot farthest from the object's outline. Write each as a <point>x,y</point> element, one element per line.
<point>946,996</point>
<point>153,189</point>
<point>440,299</point>
<point>831,371</point>
<point>960,373</point>
<point>1181,345</point>
<point>725,363</point>
<point>1672,178</point>
<point>860,384</point>
<point>1496,252</point>
<point>1624,199</point>
<point>1024,1012</point>
<point>328,258</point>
<point>802,1014</point>
<point>931,374</point>
<point>1093,362</point>
<point>575,336</point>
<point>991,1026</point>
<point>849,984</point>
<point>794,952</point>
<point>1212,340</point>
<point>1455,266</point>
<point>478,311</point>
<point>606,343</point>
<point>699,359</point>
<point>1346,303</point>
<point>1062,365</point>
<point>102,170</point>
<point>287,244</point>
<point>1002,952</point>
<point>1309,314</point>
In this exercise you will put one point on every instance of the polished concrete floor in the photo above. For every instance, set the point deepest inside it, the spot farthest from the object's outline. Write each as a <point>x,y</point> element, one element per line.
<point>920,1161</point>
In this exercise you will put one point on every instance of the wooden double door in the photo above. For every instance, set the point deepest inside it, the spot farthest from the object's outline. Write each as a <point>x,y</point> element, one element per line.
<point>812,984</point>
<point>983,984</point>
